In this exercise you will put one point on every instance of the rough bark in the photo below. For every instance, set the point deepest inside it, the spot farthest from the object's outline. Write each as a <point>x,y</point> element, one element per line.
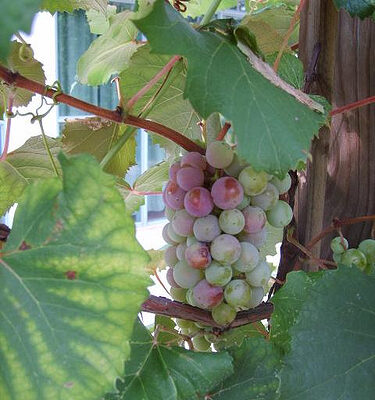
<point>340,180</point>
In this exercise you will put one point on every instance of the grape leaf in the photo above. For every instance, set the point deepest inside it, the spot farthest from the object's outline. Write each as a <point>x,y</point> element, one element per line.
<point>256,363</point>
<point>70,5</point>
<point>167,334</point>
<point>196,8</point>
<point>158,372</point>
<point>274,236</point>
<point>21,59</point>
<point>28,163</point>
<point>360,8</point>
<point>98,21</point>
<point>15,18</point>
<point>168,104</point>
<point>111,52</point>
<point>290,69</point>
<point>273,128</point>
<point>71,285</point>
<point>96,136</point>
<point>332,347</point>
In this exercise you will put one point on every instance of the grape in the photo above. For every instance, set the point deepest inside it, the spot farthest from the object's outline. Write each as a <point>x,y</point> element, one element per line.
<point>267,199</point>
<point>191,240</point>
<point>253,182</point>
<point>180,251</point>
<point>260,275</point>
<point>206,229</point>
<point>337,258</point>
<point>190,298</point>
<point>255,219</point>
<point>227,193</point>
<point>169,213</point>
<point>257,294</point>
<point>354,257</point>
<point>225,249</point>
<point>166,236</point>
<point>237,294</point>
<point>206,295</point>
<point>173,235</point>
<point>198,202</point>
<point>223,314</point>
<point>217,274</point>
<point>249,258</point>
<point>170,278</point>
<point>170,256</point>
<point>219,154</point>
<point>190,177</point>
<point>280,215</point>
<point>184,324</point>
<point>198,255</point>
<point>173,171</point>
<point>186,276</point>
<point>244,203</point>
<point>173,196</point>
<point>367,247</point>
<point>338,246</point>
<point>211,337</point>
<point>282,185</point>
<point>193,159</point>
<point>178,294</point>
<point>235,167</point>
<point>182,223</point>
<point>232,221</point>
<point>201,344</point>
<point>258,239</point>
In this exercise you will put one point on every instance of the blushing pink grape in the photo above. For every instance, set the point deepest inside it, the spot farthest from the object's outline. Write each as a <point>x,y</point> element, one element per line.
<point>170,256</point>
<point>183,222</point>
<point>206,295</point>
<point>173,171</point>
<point>173,196</point>
<point>206,229</point>
<point>190,177</point>
<point>227,193</point>
<point>198,202</point>
<point>255,219</point>
<point>198,255</point>
<point>193,159</point>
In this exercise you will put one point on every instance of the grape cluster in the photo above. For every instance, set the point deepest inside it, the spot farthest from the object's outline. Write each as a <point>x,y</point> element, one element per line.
<point>217,206</point>
<point>363,257</point>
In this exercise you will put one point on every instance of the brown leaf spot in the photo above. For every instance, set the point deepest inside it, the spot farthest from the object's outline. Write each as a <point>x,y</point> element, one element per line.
<point>71,275</point>
<point>69,385</point>
<point>24,246</point>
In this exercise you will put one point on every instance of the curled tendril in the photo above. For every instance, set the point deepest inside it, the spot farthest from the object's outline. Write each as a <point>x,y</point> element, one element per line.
<point>56,87</point>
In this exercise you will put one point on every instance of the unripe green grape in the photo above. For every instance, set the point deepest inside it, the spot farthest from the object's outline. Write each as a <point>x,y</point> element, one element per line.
<point>184,324</point>
<point>166,237</point>
<point>170,256</point>
<point>190,298</point>
<point>237,293</point>
<point>191,240</point>
<point>174,235</point>
<point>367,247</point>
<point>169,213</point>
<point>232,221</point>
<point>200,325</point>
<point>337,258</point>
<point>253,182</point>
<point>225,249</point>
<point>249,258</point>
<point>354,257</point>
<point>178,294</point>
<point>180,251</point>
<point>211,337</point>
<point>280,215</point>
<point>283,185</point>
<point>219,154</point>
<point>206,229</point>
<point>267,199</point>
<point>339,245</point>
<point>186,276</point>
<point>236,166</point>
<point>260,275</point>
<point>244,203</point>
<point>217,274</point>
<point>223,314</point>
<point>193,330</point>
<point>257,294</point>
<point>201,344</point>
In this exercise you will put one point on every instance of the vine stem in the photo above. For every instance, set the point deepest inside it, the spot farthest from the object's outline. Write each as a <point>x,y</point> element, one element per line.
<point>47,147</point>
<point>9,124</point>
<point>20,81</point>
<point>289,32</point>
<point>210,12</point>
<point>353,106</point>
<point>152,82</point>
<point>224,131</point>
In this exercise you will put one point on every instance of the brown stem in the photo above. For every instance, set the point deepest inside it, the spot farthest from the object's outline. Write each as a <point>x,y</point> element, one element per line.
<point>353,106</point>
<point>224,131</point>
<point>15,79</point>
<point>163,306</point>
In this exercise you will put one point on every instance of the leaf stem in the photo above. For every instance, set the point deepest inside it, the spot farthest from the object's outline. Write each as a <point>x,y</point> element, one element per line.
<point>353,106</point>
<point>223,131</point>
<point>9,124</point>
<point>47,147</point>
<point>210,12</point>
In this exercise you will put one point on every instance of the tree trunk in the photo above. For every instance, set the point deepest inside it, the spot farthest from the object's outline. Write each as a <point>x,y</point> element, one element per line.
<point>340,179</point>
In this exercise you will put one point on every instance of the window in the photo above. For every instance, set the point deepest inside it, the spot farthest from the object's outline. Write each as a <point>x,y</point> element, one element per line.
<point>73,38</point>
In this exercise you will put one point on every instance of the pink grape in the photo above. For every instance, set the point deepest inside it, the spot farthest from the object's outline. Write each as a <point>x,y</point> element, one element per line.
<point>225,249</point>
<point>190,177</point>
<point>173,196</point>
<point>198,202</point>
<point>206,295</point>
<point>206,229</point>
<point>227,193</point>
<point>170,279</point>
<point>255,219</point>
<point>219,154</point>
<point>182,223</point>
<point>198,255</point>
<point>173,171</point>
<point>193,159</point>
<point>170,256</point>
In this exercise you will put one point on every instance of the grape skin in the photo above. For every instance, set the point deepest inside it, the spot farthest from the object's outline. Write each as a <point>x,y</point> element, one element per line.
<point>182,223</point>
<point>258,239</point>
<point>280,215</point>
<point>249,258</point>
<point>223,314</point>
<point>193,159</point>
<point>178,294</point>
<point>255,219</point>
<point>225,249</point>
<point>227,193</point>
<point>253,182</point>
<point>166,236</point>
<point>190,177</point>
<point>267,199</point>
<point>260,275</point>
<point>207,296</point>
<point>186,276</point>
<point>232,221</point>
<point>206,229</point>
<point>198,202</point>
<point>173,196</point>
<point>219,154</point>
<point>198,255</point>
<point>217,274</point>
<point>170,256</point>
<point>174,168</point>
<point>237,294</point>
<point>282,185</point>
<point>171,280</point>
<point>339,246</point>
<point>257,294</point>
<point>180,251</point>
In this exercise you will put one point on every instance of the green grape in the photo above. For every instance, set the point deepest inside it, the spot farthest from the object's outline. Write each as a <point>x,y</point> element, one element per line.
<point>267,199</point>
<point>219,154</point>
<point>175,236</point>
<point>337,258</point>
<point>260,275</point>
<point>201,344</point>
<point>186,276</point>
<point>253,182</point>
<point>232,221</point>
<point>236,166</point>
<point>191,240</point>
<point>354,257</point>
<point>257,294</point>
<point>237,294</point>
<point>200,325</point>
<point>283,185</point>
<point>338,246</point>
<point>244,203</point>
<point>184,324</point>
<point>280,215</point>
<point>223,314</point>
<point>169,213</point>
<point>190,298</point>
<point>368,249</point>
<point>211,337</point>
<point>249,258</point>
<point>217,274</point>
<point>178,294</point>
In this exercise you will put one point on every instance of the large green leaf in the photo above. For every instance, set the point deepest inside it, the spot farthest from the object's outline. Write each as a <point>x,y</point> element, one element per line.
<point>98,21</point>
<point>15,18</point>
<point>290,69</point>
<point>23,166</point>
<point>96,136</point>
<point>71,5</point>
<point>273,128</point>
<point>71,284</point>
<point>158,372</point>
<point>255,377</point>
<point>168,104</point>
<point>111,52</point>
<point>361,8</point>
<point>21,60</point>
<point>332,347</point>
<point>196,8</point>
